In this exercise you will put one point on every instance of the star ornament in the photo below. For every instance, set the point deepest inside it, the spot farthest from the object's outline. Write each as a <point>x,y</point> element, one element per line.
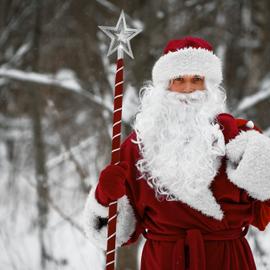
<point>120,36</point>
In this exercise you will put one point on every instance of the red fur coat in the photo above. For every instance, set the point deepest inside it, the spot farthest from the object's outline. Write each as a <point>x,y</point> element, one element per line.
<point>181,237</point>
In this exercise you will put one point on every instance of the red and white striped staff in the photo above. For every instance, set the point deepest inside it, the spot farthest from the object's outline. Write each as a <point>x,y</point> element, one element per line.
<point>120,36</point>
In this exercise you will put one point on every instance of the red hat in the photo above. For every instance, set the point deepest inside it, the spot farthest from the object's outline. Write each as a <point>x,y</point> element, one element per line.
<point>190,55</point>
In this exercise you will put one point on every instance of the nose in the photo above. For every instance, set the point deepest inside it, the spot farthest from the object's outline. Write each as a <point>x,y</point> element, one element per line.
<point>188,87</point>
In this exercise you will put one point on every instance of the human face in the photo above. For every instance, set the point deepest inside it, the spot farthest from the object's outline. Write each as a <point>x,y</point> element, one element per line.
<point>187,83</point>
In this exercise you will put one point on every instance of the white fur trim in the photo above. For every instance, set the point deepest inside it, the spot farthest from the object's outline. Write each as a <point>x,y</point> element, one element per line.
<point>248,163</point>
<point>250,124</point>
<point>187,61</point>
<point>125,225</point>
<point>204,201</point>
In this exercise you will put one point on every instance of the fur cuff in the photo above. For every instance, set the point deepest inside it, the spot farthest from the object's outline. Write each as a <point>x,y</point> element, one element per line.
<point>94,212</point>
<point>248,163</point>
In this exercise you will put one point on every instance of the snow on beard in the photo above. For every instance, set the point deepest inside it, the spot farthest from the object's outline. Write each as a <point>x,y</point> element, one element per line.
<point>180,145</point>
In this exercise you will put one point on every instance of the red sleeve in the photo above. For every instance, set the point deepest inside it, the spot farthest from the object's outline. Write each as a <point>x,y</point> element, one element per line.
<point>261,214</point>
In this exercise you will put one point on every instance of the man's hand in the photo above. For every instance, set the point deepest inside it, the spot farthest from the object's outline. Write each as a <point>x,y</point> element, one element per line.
<point>111,184</point>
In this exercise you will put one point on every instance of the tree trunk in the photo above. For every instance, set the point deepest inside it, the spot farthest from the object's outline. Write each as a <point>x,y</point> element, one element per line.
<point>39,147</point>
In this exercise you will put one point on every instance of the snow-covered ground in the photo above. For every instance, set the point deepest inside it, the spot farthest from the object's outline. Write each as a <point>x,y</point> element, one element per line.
<point>65,243</point>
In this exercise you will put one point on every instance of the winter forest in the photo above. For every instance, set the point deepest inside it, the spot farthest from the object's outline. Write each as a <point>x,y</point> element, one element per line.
<point>56,104</point>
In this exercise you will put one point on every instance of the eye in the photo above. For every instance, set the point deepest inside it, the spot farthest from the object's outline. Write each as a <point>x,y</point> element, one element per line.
<point>197,79</point>
<point>179,79</point>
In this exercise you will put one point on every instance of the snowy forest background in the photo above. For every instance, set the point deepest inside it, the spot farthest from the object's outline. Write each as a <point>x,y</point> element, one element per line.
<point>56,90</point>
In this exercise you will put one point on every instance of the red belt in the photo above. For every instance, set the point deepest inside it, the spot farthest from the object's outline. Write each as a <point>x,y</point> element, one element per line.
<point>194,240</point>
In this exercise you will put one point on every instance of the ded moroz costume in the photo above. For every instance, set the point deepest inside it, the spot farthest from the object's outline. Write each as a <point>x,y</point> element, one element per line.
<point>192,177</point>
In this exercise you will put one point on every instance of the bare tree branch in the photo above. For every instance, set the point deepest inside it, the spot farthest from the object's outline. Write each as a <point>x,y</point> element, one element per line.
<point>49,79</point>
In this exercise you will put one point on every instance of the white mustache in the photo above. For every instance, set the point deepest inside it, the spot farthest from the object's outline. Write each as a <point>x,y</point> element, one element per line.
<point>198,95</point>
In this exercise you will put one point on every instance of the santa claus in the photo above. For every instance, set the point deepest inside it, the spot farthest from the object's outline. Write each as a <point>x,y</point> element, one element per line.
<point>192,178</point>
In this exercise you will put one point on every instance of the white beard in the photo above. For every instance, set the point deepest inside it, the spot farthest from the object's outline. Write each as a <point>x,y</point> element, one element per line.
<point>180,144</point>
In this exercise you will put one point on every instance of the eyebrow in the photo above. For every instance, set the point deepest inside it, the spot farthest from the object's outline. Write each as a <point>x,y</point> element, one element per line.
<point>182,76</point>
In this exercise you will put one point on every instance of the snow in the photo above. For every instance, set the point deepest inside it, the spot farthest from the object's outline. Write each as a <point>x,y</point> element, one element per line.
<point>263,238</point>
<point>2,81</point>
<point>19,245</point>
<point>138,24</point>
<point>16,58</point>
<point>108,5</point>
<point>68,79</point>
<point>15,128</point>
<point>76,150</point>
<point>160,14</point>
<point>47,79</point>
<point>267,132</point>
<point>252,100</point>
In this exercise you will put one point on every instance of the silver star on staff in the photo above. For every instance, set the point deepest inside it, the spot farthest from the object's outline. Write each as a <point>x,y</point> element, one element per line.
<point>120,36</point>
